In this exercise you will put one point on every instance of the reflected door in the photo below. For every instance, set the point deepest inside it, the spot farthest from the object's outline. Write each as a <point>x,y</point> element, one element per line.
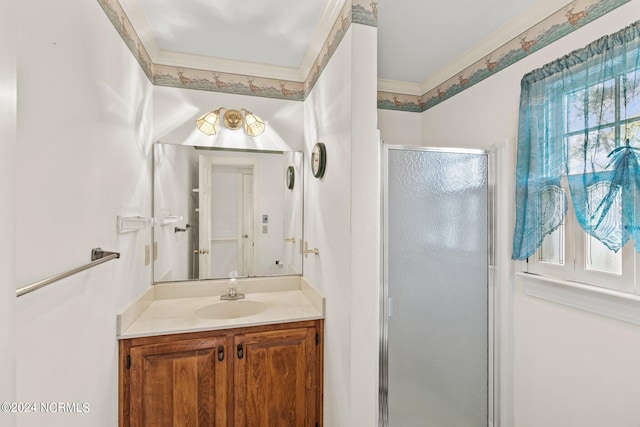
<point>226,218</point>
<point>247,244</point>
<point>436,289</point>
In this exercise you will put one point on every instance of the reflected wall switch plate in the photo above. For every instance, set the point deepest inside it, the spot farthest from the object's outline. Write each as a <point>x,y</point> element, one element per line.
<point>265,229</point>
<point>147,254</point>
<point>155,251</point>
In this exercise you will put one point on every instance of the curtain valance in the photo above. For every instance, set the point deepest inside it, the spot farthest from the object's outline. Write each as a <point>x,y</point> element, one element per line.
<point>579,129</point>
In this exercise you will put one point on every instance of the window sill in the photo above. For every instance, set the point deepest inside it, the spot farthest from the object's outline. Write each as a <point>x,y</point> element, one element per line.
<point>605,302</point>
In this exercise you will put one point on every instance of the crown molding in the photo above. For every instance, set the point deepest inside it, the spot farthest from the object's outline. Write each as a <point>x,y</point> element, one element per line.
<point>230,66</point>
<point>533,15</point>
<point>395,86</point>
<point>320,35</point>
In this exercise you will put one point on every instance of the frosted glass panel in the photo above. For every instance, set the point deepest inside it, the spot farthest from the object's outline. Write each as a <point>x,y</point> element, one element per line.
<point>224,202</point>
<point>224,258</point>
<point>436,271</point>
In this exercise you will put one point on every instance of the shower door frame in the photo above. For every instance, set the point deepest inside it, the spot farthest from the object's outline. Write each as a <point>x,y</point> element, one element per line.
<point>493,344</point>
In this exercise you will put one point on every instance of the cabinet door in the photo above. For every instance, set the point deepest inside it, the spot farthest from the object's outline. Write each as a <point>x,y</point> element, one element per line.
<point>182,383</point>
<point>274,378</point>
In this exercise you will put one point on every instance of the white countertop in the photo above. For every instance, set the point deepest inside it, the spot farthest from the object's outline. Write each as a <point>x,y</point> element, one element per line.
<point>168,308</point>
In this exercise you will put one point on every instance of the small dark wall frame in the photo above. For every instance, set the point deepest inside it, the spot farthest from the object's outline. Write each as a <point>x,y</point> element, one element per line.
<point>291,177</point>
<point>318,160</point>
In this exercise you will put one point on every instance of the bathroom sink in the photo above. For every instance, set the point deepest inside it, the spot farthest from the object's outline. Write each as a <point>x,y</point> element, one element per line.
<point>231,309</point>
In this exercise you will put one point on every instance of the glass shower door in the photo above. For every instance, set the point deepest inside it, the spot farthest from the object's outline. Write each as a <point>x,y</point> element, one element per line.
<point>435,369</point>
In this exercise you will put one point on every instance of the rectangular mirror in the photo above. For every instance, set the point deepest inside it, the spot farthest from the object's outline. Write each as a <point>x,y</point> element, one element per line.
<point>220,211</point>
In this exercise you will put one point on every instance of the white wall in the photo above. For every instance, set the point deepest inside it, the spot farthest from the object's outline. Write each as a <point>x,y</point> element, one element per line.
<point>7,206</point>
<point>342,220</point>
<point>399,127</point>
<point>327,213</point>
<point>83,157</point>
<point>573,368</point>
<point>365,229</point>
<point>569,368</point>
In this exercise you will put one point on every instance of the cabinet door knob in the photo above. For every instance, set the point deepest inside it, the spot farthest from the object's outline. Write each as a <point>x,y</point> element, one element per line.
<point>221,353</point>
<point>240,351</point>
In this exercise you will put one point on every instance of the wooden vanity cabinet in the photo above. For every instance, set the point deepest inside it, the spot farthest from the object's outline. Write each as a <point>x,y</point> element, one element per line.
<point>178,383</point>
<point>274,384</point>
<point>256,376</point>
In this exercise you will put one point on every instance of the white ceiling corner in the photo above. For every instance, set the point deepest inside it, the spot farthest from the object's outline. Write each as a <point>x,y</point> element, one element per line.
<point>317,28</point>
<point>534,14</point>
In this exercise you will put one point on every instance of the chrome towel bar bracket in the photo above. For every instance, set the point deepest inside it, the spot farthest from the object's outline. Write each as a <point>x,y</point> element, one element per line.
<point>98,253</point>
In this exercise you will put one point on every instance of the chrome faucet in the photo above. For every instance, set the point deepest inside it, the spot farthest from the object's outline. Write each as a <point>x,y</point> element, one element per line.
<point>233,288</point>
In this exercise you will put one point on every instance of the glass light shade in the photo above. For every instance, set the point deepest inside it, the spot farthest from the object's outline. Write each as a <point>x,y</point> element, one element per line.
<point>209,123</point>
<point>253,124</point>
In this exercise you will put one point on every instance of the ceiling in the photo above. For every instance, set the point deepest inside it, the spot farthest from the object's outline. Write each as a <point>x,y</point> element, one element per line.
<point>421,43</point>
<point>271,32</point>
<point>416,38</point>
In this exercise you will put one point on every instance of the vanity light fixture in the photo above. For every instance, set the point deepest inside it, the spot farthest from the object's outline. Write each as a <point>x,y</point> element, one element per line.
<point>209,123</point>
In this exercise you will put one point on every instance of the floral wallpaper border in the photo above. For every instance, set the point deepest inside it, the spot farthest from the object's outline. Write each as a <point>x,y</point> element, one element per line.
<point>237,84</point>
<point>354,11</point>
<point>573,16</point>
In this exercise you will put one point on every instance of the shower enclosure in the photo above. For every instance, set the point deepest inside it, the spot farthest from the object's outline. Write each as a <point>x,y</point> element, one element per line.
<point>437,340</point>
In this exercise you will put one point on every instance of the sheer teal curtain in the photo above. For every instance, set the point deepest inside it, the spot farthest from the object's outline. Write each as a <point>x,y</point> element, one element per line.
<point>580,122</point>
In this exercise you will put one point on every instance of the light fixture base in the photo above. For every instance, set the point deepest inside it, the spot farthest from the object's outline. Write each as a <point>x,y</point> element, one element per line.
<point>233,119</point>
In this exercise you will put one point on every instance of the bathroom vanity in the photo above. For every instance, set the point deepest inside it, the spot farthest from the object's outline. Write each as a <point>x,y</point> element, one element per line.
<point>188,358</point>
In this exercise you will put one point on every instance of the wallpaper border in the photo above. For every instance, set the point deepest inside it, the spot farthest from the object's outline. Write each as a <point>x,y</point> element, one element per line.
<point>566,20</point>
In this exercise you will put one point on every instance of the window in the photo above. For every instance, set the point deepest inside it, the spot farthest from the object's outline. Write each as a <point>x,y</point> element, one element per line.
<point>578,177</point>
